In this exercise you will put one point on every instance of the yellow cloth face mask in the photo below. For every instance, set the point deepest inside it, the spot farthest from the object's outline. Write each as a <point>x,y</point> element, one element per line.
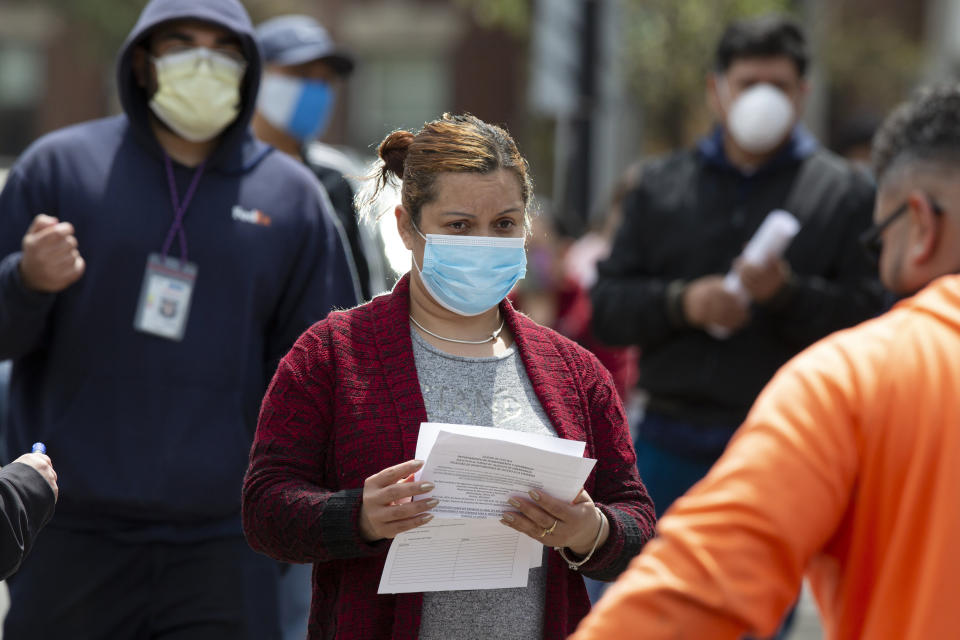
<point>198,92</point>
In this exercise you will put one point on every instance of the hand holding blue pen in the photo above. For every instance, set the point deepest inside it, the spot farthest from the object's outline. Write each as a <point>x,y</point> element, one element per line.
<point>43,466</point>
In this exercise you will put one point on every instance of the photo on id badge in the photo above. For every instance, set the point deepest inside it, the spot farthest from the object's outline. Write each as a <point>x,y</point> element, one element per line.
<point>164,304</point>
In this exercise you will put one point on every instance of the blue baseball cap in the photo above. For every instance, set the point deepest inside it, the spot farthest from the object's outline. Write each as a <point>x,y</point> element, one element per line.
<point>295,39</point>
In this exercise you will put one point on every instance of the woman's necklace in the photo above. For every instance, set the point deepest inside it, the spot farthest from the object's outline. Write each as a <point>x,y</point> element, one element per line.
<point>493,336</point>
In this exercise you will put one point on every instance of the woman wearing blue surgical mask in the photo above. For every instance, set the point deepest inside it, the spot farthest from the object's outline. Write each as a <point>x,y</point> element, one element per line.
<point>331,473</point>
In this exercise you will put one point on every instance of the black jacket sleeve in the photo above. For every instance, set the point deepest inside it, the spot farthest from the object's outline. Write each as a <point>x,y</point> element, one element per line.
<point>26,505</point>
<point>341,197</point>
<point>632,305</point>
<point>810,307</point>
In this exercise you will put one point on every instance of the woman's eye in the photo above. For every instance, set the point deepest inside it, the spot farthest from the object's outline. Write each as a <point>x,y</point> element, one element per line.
<point>457,226</point>
<point>506,224</point>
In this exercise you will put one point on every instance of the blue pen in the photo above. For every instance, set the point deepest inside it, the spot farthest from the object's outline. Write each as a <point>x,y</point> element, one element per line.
<point>38,447</point>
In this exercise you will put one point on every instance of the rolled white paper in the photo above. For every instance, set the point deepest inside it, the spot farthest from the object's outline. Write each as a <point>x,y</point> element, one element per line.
<point>769,242</point>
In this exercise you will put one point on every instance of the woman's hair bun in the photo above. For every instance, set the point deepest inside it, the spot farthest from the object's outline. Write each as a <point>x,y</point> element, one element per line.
<point>393,151</point>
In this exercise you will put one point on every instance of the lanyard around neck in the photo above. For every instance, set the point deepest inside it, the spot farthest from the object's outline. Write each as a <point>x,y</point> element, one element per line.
<point>179,208</point>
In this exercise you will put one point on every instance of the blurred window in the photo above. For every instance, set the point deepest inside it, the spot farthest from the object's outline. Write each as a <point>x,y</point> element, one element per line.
<point>396,91</point>
<point>22,73</point>
<point>390,92</point>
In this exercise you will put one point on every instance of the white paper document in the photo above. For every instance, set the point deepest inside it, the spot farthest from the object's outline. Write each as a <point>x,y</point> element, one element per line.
<point>453,554</point>
<point>770,241</point>
<point>535,551</point>
<point>475,471</point>
<point>474,477</point>
<point>429,431</point>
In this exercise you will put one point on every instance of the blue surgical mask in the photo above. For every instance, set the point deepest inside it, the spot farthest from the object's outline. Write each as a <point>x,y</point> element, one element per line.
<point>300,107</point>
<point>471,274</point>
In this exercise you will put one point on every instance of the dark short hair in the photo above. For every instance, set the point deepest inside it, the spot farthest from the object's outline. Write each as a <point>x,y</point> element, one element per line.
<point>924,129</point>
<point>762,37</point>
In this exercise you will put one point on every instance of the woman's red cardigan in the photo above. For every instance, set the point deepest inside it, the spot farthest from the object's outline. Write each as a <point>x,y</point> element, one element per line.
<point>345,403</point>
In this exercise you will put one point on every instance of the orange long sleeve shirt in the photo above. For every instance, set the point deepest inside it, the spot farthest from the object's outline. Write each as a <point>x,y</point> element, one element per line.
<point>847,469</point>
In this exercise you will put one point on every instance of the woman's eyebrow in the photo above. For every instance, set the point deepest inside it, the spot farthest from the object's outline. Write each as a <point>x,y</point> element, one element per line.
<point>470,215</point>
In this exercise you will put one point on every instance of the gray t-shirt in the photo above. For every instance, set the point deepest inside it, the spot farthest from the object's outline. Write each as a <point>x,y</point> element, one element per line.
<point>493,391</point>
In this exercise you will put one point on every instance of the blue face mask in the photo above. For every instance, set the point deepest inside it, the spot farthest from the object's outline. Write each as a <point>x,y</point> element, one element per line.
<point>471,274</point>
<point>300,107</point>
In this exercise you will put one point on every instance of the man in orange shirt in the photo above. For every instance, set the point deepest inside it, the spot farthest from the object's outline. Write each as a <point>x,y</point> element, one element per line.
<point>848,465</point>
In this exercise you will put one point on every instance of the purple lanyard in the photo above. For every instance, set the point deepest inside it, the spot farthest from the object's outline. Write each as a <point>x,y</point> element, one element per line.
<point>178,208</point>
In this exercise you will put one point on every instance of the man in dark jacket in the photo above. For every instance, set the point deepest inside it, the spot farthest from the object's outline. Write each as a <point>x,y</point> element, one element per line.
<point>304,71</point>
<point>140,358</point>
<point>705,351</point>
<point>28,495</point>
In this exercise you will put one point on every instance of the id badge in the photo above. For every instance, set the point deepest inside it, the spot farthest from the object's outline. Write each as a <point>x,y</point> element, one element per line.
<point>165,297</point>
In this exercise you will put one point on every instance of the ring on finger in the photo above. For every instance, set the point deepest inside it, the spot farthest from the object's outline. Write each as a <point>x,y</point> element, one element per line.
<point>547,532</point>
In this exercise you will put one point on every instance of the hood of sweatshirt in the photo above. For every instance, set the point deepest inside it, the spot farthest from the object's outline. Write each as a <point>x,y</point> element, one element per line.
<point>238,149</point>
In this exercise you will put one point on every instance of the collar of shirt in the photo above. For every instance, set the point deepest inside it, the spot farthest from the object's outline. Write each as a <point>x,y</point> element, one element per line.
<point>800,145</point>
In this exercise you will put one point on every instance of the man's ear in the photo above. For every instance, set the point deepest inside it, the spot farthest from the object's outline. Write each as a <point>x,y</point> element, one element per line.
<point>139,65</point>
<point>924,229</point>
<point>404,226</point>
<point>713,94</point>
<point>143,72</point>
<point>803,92</point>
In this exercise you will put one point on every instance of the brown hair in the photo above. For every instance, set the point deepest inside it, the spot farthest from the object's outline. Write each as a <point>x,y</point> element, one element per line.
<point>450,144</point>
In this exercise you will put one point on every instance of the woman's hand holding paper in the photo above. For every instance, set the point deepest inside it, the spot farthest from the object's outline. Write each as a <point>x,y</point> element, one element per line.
<point>388,508</point>
<point>557,523</point>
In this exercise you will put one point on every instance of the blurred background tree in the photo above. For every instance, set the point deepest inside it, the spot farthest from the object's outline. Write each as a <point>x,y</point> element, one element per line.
<point>107,21</point>
<point>668,48</point>
<point>872,62</point>
<point>512,15</point>
<point>869,54</point>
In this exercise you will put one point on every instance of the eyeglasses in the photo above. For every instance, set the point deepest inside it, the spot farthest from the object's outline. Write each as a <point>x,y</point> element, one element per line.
<point>227,52</point>
<point>872,239</point>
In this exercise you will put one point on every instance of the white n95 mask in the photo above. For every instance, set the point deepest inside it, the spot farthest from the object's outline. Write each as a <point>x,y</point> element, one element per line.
<point>198,92</point>
<point>760,118</point>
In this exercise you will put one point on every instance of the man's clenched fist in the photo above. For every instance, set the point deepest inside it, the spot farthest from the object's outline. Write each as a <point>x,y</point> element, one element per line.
<point>51,261</point>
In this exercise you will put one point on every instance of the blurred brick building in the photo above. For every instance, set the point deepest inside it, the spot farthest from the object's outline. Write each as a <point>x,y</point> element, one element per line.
<point>417,59</point>
<point>46,80</point>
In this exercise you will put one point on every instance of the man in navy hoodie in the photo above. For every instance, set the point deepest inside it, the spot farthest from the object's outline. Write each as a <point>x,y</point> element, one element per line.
<point>155,267</point>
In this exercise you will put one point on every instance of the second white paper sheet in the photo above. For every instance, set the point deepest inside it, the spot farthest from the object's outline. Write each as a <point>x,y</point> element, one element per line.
<point>475,470</point>
<point>455,554</point>
<point>474,477</point>
<point>429,430</point>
